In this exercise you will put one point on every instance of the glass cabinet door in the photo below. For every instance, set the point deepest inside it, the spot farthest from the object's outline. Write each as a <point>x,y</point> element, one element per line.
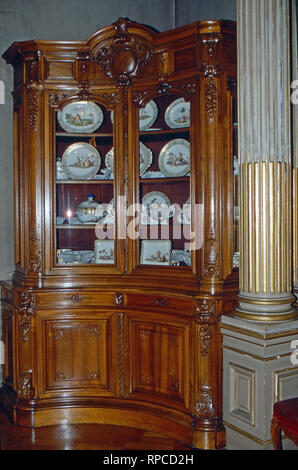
<point>84,180</point>
<point>164,182</point>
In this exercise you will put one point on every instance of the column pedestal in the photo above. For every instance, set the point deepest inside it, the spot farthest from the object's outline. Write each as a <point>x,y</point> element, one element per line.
<point>257,371</point>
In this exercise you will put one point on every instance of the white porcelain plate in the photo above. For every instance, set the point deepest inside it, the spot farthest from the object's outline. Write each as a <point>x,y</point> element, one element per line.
<point>148,115</point>
<point>80,117</point>
<point>174,158</point>
<point>156,208</point>
<point>81,161</point>
<point>178,114</point>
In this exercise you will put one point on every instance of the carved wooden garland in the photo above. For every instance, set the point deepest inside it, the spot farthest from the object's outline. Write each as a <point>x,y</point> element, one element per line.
<point>35,250</point>
<point>25,311</point>
<point>32,109</point>
<point>211,98</point>
<point>25,388</point>
<point>31,66</point>
<point>125,57</point>
<point>211,261</point>
<point>204,407</point>
<point>205,315</point>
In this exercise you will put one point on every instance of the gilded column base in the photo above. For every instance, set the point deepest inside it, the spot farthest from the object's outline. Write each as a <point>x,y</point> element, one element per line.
<point>267,308</point>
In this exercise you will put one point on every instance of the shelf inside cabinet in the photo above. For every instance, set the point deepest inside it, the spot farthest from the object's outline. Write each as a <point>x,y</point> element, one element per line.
<point>97,181</point>
<point>166,179</point>
<point>149,131</point>
<point>86,136</point>
<point>82,226</point>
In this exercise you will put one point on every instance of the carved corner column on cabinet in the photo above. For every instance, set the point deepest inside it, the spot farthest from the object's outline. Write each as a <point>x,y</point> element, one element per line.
<point>208,430</point>
<point>32,156</point>
<point>211,277</point>
<point>24,366</point>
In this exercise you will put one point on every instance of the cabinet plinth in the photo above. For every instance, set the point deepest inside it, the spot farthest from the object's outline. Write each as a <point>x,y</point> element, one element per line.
<point>125,229</point>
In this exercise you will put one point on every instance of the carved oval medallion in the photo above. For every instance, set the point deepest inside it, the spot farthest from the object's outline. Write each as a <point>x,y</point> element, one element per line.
<point>125,62</point>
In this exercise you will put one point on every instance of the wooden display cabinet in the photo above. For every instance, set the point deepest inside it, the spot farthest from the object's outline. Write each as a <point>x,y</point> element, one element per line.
<point>113,311</point>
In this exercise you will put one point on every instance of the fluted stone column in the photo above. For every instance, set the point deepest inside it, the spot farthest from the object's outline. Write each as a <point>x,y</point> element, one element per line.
<point>265,161</point>
<point>294,15</point>
<point>257,338</point>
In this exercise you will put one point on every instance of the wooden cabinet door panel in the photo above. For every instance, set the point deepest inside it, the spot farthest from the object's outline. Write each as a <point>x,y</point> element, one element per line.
<point>77,354</point>
<point>159,361</point>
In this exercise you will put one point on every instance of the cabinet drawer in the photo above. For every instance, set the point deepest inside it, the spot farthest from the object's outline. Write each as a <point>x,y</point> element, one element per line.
<point>76,299</point>
<point>159,301</point>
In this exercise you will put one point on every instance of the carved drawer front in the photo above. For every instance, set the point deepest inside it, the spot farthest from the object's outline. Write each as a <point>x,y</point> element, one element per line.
<point>159,361</point>
<point>160,302</point>
<point>77,355</point>
<point>75,299</point>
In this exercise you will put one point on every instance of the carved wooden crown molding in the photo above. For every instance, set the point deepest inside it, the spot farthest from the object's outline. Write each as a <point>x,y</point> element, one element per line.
<point>125,57</point>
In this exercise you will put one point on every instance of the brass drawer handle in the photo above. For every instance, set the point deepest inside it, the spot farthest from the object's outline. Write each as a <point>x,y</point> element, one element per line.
<point>119,297</point>
<point>161,302</point>
<point>77,298</point>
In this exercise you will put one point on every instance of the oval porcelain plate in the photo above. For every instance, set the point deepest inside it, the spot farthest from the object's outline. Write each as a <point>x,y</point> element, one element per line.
<point>81,161</point>
<point>178,114</point>
<point>148,115</point>
<point>80,117</point>
<point>174,158</point>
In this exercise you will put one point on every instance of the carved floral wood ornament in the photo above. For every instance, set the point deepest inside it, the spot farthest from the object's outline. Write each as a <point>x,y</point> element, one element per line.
<point>125,56</point>
<point>25,311</point>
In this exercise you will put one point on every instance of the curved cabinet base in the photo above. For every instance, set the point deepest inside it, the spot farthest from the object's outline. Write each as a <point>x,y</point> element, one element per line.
<point>176,425</point>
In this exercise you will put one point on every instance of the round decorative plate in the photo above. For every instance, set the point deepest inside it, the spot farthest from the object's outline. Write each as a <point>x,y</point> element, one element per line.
<point>80,117</point>
<point>81,161</point>
<point>178,114</point>
<point>156,206</point>
<point>174,158</point>
<point>145,159</point>
<point>148,115</point>
<point>109,160</point>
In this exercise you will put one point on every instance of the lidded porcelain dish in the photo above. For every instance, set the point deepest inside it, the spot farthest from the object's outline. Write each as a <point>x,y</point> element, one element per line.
<point>89,212</point>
